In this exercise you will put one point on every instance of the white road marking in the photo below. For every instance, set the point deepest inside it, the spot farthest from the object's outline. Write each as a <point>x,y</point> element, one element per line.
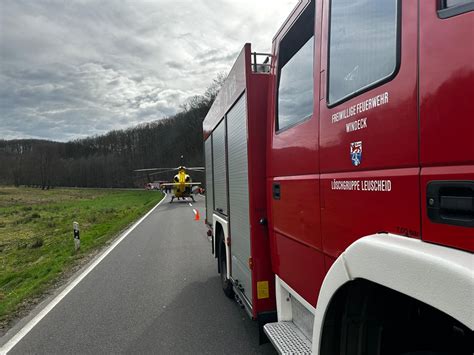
<point>32,323</point>
<point>190,205</point>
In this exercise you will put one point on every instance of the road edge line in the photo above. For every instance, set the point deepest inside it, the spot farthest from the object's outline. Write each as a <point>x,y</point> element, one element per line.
<point>10,344</point>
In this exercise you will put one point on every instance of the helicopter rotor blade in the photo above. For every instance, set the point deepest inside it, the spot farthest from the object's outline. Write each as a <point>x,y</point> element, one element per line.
<point>161,172</point>
<point>154,169</point>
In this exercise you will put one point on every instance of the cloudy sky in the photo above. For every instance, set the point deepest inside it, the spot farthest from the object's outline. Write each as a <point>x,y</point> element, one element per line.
<point>70,69</point>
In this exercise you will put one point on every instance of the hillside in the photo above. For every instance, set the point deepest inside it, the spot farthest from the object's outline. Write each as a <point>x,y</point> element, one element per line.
<point>108,160</point>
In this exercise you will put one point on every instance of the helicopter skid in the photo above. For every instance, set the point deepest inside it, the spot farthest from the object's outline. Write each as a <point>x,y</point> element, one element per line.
<point>183,198</point>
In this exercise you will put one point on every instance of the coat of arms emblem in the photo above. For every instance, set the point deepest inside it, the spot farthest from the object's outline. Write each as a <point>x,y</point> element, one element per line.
<point>356,153</point>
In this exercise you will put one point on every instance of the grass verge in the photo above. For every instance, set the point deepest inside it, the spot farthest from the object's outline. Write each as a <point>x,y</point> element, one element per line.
<point>36,243</point>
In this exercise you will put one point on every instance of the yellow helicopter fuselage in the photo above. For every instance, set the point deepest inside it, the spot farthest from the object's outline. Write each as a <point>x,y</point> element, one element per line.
<point>182,184</point>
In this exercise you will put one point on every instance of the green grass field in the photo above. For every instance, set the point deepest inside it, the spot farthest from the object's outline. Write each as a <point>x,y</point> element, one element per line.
<point>36,242</point>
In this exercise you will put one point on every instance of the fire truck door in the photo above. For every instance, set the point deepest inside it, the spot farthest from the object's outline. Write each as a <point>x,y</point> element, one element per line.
<point>293,166</point>
<point>446,121</point>
<point>369,137</point>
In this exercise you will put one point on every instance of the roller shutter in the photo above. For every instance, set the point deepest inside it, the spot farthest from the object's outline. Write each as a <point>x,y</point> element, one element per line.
<point>239,194</point>
<point>209,180</point>
<point>220,168</point>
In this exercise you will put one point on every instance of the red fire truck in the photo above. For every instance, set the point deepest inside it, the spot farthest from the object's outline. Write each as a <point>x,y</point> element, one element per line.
<point>340,179</point>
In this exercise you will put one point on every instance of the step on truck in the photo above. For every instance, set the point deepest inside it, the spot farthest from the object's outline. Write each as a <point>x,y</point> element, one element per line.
<point>340,179</point>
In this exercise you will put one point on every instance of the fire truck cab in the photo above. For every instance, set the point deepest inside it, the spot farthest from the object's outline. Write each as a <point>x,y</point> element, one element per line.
<point>340,179</point>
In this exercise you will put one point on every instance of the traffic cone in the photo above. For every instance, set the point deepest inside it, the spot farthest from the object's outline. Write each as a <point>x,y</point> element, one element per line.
<point>196,215</point>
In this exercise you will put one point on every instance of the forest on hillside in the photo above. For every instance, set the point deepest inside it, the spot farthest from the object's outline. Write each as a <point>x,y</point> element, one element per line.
<point>109,160</point>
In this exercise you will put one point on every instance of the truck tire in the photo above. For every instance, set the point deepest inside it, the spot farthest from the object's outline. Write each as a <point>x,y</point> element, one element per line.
<point>225,282</point>
<point>370,319</point>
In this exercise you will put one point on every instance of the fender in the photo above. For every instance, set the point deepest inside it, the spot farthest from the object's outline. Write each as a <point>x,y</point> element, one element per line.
<point>436,275</point>
<point>225,227</point>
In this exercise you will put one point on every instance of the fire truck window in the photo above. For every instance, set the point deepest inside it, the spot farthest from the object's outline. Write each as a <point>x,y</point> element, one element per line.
<point>363,47</point>
<point>451,3</point>
<point>450,8</point>
<point>295,76</point>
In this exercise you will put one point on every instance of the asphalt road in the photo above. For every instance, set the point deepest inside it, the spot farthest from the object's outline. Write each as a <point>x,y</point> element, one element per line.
<point>158,291</point>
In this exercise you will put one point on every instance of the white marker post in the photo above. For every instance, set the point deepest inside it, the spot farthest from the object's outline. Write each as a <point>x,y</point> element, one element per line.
<point>77,239</point>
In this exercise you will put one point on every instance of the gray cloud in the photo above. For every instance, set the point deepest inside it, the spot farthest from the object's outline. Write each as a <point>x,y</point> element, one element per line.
<point>70,69</point>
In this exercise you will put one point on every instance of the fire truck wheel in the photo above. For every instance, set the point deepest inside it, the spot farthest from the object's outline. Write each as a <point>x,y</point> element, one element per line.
<point>365,318</point>
<point>225,282</point>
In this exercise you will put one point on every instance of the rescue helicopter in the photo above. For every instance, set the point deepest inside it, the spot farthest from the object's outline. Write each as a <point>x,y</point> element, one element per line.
<point>182,183</point>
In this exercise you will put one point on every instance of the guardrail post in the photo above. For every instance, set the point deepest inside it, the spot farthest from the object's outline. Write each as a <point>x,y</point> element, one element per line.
<point>77,238</point>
